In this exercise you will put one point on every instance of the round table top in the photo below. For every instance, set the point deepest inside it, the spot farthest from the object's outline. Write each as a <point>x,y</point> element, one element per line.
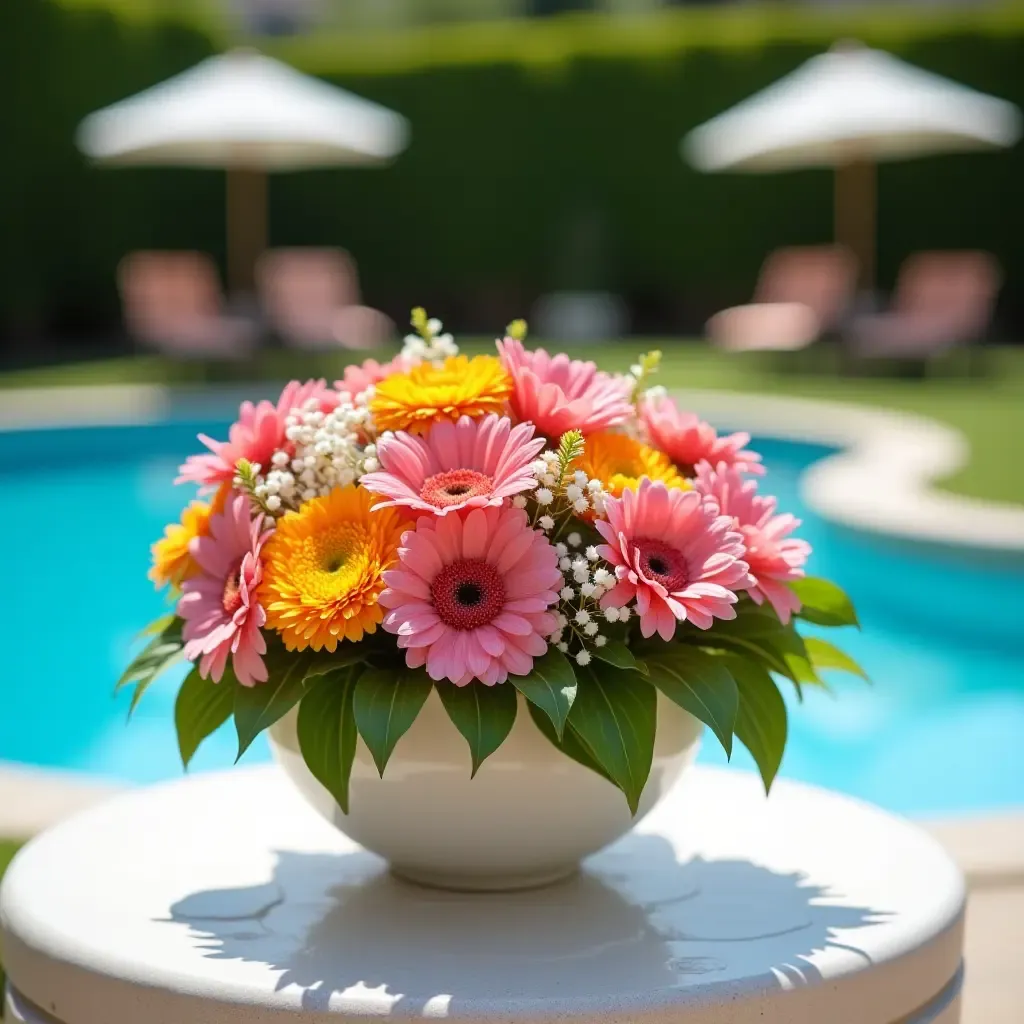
<point>222,898</point>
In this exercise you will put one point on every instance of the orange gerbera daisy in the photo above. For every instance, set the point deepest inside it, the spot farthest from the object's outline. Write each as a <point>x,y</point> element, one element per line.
<point>427,394</point>
<point>619,462</point>
<point>172,562</point>
<point>322,568</point>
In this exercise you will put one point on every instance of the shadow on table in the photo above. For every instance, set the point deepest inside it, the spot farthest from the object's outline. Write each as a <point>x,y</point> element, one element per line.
<point>337,924</point>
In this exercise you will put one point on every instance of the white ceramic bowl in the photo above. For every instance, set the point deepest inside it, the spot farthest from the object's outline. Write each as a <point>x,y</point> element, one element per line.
<point>529,817</point>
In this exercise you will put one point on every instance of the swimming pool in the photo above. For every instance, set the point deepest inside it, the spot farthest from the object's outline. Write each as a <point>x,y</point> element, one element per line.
<point>938,732</point>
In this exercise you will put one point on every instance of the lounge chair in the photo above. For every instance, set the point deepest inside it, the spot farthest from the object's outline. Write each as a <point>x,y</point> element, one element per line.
<point>943,300</point>
<point>172,302</point>
<point>801,294</point>
<point>311,300</point>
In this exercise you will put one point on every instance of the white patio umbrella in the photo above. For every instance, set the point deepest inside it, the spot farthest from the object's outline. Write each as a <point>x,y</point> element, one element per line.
<point>848,109</point>
<point>248,114</point>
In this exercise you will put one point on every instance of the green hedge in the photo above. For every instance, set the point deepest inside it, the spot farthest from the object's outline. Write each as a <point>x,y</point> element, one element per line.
<point>552,162</point>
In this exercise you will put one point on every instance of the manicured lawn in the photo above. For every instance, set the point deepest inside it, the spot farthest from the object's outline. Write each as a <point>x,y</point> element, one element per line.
<point>7,850</point>
<point>988,409</point>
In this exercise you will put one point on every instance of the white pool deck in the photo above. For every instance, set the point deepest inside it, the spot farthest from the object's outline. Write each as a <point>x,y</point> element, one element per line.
<point>880,482</point>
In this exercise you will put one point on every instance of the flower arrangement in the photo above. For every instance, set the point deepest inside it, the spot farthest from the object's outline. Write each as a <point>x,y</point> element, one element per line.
<point>486,527</point>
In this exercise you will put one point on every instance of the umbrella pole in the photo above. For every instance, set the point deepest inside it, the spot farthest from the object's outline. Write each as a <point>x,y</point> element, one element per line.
<point>246,226</point>
<point>855,213</point>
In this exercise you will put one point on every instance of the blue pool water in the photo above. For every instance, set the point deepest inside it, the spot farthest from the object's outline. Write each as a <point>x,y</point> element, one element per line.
<point>939,731</point>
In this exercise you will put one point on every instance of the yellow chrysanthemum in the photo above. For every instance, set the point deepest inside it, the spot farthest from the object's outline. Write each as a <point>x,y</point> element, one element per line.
<point>619,462</point>
<point>414,401</point>
<point>172,562</point>
<point>322,569</point>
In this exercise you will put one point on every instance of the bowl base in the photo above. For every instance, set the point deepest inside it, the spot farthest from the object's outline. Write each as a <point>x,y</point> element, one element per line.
<point>462,882</point>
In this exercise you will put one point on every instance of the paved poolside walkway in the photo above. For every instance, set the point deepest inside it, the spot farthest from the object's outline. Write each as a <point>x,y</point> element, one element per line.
<point>31,800</point>
<point>990,852</point>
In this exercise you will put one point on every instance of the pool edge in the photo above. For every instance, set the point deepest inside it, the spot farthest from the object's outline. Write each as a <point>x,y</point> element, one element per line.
<point>33,798</point>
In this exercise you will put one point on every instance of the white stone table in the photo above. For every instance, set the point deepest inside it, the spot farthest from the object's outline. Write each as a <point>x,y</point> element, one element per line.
<point>222,899</point>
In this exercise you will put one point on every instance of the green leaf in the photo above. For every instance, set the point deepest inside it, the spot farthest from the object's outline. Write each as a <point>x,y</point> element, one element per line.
<point>699,683</point>
<point>386,703</point>
<point>157,655</point>
<point>615,715</point>
<point>824,603</point>
<point>551,685</point>
<point>138,690</point>
<point>163,650</point>
<point>782,651</point>
<point>161,625</point>
<point>791,648</point>
<point>324,662</point>
<point>761,723</point>
<point>618,654</point>
<point>826,655</point>
<point>755,633</point>
<point>483,714</point>
<point>570,744</point>
<point>752,621</point>
<point>756,649</point>
<point>327,730</point>
<point>201,708</point>
<point>259,707</point>
<point>146,680</point>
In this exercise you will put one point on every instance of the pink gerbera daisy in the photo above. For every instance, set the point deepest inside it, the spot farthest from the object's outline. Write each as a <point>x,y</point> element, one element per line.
<point>559,394</point>
<point>358,378</point>
<point>774,557</point>
<point>259,432</point>
<point>470,597</point>
<point>687,440</point>
<point>219,606</point>
<point>675,554</point>
<point>469,464</point>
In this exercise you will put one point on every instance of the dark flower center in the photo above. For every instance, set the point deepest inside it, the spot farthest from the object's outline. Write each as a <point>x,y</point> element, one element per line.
<point>663,563</point>
<point>455,486</point>
<point>468,594</point>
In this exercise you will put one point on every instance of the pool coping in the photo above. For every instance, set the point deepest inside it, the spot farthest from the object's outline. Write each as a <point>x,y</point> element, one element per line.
<point>34,798</point>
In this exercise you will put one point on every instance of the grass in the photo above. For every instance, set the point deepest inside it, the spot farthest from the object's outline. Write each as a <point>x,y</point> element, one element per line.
<point>8,849</point>
<point>346,44</point>
<point>989,410</point>
<point>664,34</point>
